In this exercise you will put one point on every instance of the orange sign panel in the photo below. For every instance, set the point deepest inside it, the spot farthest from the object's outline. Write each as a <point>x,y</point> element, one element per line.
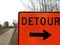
<point>39,28</point>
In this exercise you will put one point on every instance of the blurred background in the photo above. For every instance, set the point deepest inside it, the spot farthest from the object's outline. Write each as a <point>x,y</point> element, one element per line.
<point>9,21</point>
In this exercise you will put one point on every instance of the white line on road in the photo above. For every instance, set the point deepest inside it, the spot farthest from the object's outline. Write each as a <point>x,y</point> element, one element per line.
<point>6,37</point>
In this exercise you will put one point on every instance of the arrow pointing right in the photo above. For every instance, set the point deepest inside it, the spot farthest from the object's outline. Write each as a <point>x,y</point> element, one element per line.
<point>45,34</point>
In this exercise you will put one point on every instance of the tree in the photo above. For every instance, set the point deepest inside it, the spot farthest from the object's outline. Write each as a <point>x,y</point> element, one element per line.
<point>1,26</point>
<point>41,5</point>
<point>15,23</point>
<point>6,24</point>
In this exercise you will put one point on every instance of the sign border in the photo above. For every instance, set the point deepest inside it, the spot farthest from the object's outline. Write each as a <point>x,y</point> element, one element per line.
<point>28,12</point>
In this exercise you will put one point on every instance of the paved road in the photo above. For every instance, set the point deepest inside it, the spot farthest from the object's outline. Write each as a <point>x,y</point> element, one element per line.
<point>14,39</point>
<point>6,37</point>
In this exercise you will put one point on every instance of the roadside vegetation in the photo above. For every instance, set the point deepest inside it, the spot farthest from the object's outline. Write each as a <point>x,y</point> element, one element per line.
<point>5,27</point>
<point>41,5</point>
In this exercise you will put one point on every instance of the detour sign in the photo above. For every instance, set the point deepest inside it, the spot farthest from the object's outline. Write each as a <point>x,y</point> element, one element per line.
<point>39,28</point>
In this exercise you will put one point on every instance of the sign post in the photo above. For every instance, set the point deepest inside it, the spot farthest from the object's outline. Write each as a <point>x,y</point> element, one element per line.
<point>37,28</point>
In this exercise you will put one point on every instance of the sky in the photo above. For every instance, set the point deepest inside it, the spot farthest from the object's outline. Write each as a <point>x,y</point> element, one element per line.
<point>9,10</point>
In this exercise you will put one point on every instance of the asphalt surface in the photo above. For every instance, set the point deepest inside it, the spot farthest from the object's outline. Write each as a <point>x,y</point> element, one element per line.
<point>14,39</point>
<point>5,38</point>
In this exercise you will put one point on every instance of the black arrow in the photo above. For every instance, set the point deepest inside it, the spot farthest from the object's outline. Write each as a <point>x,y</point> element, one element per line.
<point>45,34</point>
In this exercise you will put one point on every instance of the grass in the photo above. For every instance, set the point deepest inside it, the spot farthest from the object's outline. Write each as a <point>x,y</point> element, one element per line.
<point>3,30</point>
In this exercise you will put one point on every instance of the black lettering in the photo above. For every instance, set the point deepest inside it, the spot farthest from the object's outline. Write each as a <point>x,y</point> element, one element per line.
<point>41,21</point>
<point>30,21</point>
<point>36,20</point>
<point>50,21</point>
<point>24,21</point>
<point>57,20</point>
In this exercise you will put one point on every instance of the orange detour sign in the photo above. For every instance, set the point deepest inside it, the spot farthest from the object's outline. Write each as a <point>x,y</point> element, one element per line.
<point>39,28</point>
